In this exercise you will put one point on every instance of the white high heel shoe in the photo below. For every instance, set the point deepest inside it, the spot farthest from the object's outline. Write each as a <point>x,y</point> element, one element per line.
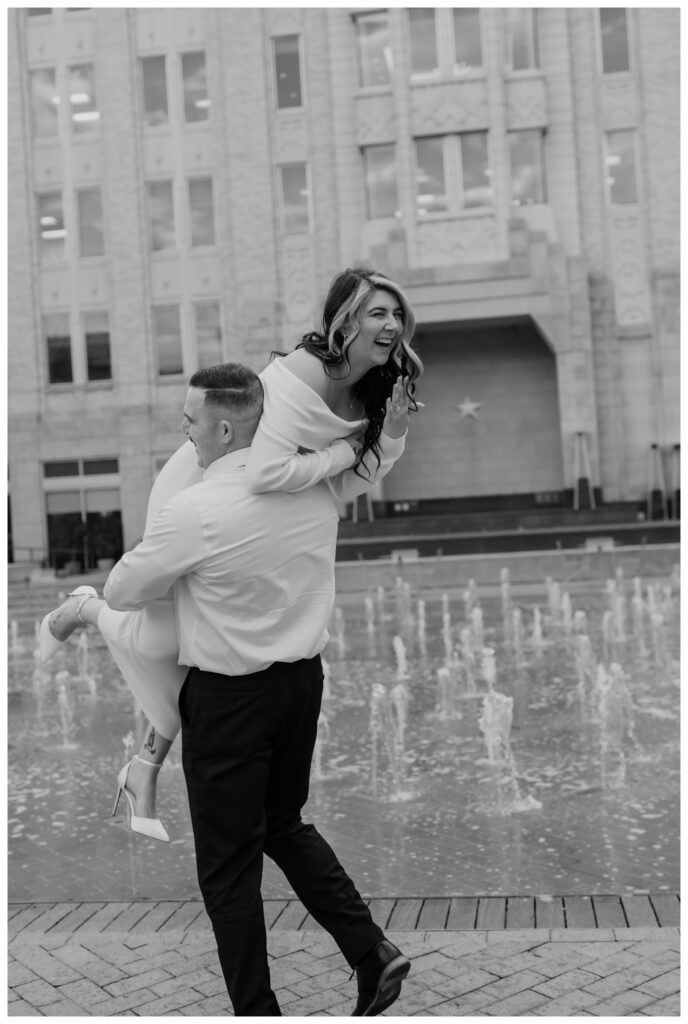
<point>151,827</point>
<point>48,643</point>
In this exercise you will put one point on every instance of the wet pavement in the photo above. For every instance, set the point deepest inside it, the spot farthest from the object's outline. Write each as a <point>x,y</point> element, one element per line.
<point>581,797</point>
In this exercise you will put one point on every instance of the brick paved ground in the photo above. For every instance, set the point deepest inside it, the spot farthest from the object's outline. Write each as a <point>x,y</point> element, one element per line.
<point>132,959</point>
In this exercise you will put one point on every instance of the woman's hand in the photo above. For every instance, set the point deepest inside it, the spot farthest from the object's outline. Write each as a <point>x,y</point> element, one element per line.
<point>396,417</point>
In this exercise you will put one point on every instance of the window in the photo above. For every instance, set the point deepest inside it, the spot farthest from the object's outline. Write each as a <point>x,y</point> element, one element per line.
<point>90,211</point>
<point>38,12</point>
<point>154,89</point>
<point>294,181</point>
<point>614,39</point>
<point>431,190</point>
<point>97,339</point>
<point>452,174</point>
<point>168,339</point>
<point>201,211</point>
<point>468,53</point>
<point>208,333</point>
<point>381,181</point>
<point>527,175</point>
<point>59,348</point>
<point>287,71</point>
<point>44,103</point>
<point>423,39</point>
<point>82,98</point>
<point>521,38</point>
<point>621,167</point>
<point>374,48</point>
<point>51,227</point>
<point>196,102</point>
<point>161,215</point>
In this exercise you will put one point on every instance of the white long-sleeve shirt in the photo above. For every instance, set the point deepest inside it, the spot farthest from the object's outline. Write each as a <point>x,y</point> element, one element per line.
<point>252,575</point>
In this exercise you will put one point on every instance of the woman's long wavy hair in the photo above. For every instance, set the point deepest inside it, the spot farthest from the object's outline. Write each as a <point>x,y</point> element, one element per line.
<point>340,325</point>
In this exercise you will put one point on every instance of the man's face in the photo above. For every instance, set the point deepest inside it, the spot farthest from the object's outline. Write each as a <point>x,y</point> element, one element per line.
<point>202,424</point>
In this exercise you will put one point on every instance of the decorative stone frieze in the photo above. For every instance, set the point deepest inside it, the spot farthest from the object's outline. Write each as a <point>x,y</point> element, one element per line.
<point>526,102</point>
<point>631,286</point>
<point>291,138</point>
<point>449,107</point>
<point>460,240</point>
<point>375,119</point>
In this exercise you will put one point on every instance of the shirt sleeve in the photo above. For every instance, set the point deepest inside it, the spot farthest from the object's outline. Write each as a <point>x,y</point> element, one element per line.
<point>275,462</point>
<point>349,484</point>
<point>172,547</point>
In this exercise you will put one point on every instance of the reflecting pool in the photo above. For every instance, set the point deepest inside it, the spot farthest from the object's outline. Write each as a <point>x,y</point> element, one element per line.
<point>507,740</point>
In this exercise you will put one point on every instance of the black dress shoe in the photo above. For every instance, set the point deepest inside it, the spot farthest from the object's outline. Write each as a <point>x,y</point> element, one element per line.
<point>380,974</point>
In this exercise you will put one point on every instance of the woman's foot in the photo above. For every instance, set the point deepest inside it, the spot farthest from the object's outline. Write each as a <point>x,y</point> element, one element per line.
<point>142,786</point>
<point>58,625</point>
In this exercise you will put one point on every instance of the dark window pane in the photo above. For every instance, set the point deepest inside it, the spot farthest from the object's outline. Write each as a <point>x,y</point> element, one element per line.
<point>374,48</point>
<point>94,467</point>
<point>468,51</point>
<point>423,39</point>
<point>168,338</point>
<point>38,12</point>
<point>196,102</point>
<point>97,337</point>
<point>381,181</point>
<point>59,347</point>
<point>52,469</point>
<point>201,211</point>
<point>287,71</point>
<point>208,333</point>
<point>91,242</point>
<point>614,32</point>
<point>154,85</point>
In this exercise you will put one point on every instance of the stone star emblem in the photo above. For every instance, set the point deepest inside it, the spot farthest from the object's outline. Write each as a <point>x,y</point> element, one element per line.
<point>469,409</point>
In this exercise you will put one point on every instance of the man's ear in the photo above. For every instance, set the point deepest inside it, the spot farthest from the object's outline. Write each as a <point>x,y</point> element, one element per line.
<point>227,432</point>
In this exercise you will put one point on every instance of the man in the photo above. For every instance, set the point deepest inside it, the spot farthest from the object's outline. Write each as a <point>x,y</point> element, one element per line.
<point>253,580</point>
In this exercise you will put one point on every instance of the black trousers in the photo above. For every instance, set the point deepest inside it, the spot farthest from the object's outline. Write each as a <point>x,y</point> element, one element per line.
<point>247,744</point>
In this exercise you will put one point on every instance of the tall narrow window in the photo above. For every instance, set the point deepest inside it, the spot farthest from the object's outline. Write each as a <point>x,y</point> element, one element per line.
<point>477,188</point>
<point>527,177</point>
<point>468,51</point>
<point>51,227</point>
<point>201,211</point>
<point>59,348</point>
<point>82,98</point>
<point>208,333</point>
<point>90,207</point>
<point>621,167</point>
<point>287,71</point>
<point>294,180</point>
<point>423,34</point>
<point>154,91</point>
<point>97,339</point>
<point>431,189</point>
<point>374,48</point>
<point>196,101</point>
<point>381,181</point>
<point>161,215</point>
<point>168,339</point>
<point>614,39</point>
<point>44,103</point>
<point>521,39</point>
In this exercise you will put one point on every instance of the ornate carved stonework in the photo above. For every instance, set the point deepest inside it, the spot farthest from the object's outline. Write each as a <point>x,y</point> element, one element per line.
<point>618,103</point>
<point>449,106</point>
<point>631,286</point>
<point>54,285</point>
<point>291,138</point>
<point>375,120</point>
<point>460,240</point>
<point>165,280</point>
<point>158,154</point>
<point>526,102</point>
<point>94,285</point>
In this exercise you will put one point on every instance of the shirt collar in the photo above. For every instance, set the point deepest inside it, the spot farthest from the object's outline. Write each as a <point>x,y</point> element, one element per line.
<point>232,460</point>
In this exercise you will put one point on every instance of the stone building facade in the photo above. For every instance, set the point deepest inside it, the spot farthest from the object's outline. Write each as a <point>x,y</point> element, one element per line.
<point>184,183</point>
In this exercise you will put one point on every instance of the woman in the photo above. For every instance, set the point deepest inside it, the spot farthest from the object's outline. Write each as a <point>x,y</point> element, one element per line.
<point>335,408</point>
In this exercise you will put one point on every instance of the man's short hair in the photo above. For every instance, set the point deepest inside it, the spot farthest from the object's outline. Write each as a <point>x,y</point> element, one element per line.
<point>230,386</point>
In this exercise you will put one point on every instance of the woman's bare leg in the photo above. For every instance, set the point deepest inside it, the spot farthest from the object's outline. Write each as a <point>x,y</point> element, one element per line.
<point>141,780</point>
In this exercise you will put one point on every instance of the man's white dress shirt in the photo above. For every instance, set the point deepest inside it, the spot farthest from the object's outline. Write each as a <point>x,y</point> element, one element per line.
<point>252,574</point>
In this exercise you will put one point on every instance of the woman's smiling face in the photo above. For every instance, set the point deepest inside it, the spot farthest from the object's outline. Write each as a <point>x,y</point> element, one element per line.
<point>380,321</point>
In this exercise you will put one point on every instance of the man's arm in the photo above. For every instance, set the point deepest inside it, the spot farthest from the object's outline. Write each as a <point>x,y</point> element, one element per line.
<point>171,548</point>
